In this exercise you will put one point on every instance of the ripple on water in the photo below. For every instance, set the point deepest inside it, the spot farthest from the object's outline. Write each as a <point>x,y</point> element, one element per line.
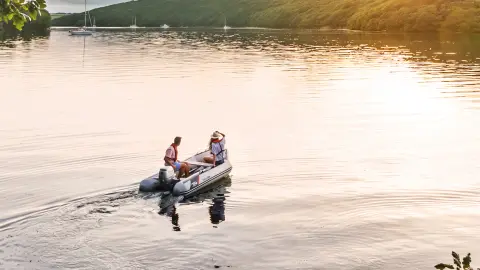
<point>97,216</point>
<point>350,151</point>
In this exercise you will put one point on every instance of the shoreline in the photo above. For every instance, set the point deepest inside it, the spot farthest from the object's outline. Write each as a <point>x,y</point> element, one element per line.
<point>316,30</point>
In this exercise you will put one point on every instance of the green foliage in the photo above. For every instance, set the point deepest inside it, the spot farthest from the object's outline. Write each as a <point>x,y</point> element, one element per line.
<point>376,15</point>
<point>20,11</point>
<point>37,27</point>
<point>57,15</point>
<point>460,265</point>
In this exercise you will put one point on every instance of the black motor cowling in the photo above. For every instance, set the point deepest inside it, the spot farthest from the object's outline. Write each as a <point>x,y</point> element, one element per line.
<point>162,183</point>
<point>162,176</point>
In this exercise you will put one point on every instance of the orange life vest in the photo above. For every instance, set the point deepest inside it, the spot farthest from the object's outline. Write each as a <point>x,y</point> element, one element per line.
<point>176,152</point>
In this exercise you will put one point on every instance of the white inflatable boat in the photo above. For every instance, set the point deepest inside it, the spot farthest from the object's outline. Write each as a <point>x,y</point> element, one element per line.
<point>202,176</point>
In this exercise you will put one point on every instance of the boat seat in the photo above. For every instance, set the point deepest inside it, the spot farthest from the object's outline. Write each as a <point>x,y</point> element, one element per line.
<point>194,170</point>
<point>202,164</point>
<point>197,166</point>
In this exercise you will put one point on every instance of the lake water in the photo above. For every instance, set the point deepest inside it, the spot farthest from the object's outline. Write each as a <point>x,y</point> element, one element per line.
<point>349,150</point>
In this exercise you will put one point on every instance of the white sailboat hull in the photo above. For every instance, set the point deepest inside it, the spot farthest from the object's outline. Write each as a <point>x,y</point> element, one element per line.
<point>80,32</point>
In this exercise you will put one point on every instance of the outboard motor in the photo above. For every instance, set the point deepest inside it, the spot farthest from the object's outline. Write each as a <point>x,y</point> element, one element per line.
<point>166,183</point>
<point>162,176</point>
<point>162,183</point>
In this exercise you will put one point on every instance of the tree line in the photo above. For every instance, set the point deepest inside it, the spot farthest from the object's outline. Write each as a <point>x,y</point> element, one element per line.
<point>370,15</point>
<point>34,27</point>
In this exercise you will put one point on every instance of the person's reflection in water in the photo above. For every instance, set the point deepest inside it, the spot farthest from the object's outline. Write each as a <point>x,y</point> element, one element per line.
<point>175,219</point>
<point>168,208</point>
<point>217,210</point>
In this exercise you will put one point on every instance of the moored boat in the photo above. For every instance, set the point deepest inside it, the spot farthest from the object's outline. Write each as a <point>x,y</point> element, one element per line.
<point>82,31</point>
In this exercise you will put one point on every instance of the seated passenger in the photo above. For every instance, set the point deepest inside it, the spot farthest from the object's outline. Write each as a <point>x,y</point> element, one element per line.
<point>171,159</point>
<point>217,148</point>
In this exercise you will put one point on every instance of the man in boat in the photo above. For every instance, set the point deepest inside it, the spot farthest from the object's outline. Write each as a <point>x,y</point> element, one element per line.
<point>171,159</point>
<point>217,149</point>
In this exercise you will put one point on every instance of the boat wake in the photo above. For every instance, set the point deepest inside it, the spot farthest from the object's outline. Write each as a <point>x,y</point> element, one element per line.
<point>75,227</point>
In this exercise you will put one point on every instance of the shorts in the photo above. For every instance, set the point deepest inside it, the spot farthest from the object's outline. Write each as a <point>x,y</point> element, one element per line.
<point>177,165</point>
<point>219,162</point>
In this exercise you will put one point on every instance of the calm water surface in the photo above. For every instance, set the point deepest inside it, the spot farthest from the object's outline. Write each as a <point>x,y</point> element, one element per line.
<point>349,151</point>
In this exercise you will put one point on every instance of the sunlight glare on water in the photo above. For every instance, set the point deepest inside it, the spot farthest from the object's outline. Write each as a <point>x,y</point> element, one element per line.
<point>349,150</point>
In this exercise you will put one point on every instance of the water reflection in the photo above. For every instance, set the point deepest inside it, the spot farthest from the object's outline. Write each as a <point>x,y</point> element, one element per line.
<point>26,35</point>
<point>168,208</point>
<point>412,46</point>
<point>217,210</point>
<point>361,130</point>
<point>169,204</point>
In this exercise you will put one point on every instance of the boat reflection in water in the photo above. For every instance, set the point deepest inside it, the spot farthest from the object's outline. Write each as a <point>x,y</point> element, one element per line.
<point>168,207</point>
<point>169,204</point>
<point>217,211</point>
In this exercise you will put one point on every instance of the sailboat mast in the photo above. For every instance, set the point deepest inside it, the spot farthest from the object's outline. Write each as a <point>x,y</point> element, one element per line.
<point>85,20</point>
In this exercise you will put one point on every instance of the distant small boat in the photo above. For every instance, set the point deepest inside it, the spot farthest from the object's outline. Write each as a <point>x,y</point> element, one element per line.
<point>134,22</point>
<point>134,25</point>
<point>225,27</point>
<point>165,26</point>
<point>82,31</point>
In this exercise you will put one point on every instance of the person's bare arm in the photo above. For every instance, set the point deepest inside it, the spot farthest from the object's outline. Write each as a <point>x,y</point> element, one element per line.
<point>169,161</point>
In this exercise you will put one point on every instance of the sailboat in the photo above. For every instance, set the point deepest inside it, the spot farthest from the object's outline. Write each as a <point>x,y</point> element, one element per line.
<point>90,19</point>
<point>225,27</point>
<point>134,25</point>
<point>82,31</point>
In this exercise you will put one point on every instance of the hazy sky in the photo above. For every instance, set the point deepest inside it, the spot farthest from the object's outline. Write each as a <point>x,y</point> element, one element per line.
<point>78,5</point>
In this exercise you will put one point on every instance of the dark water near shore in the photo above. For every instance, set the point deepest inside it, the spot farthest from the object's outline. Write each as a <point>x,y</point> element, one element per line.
<point>349,150</point>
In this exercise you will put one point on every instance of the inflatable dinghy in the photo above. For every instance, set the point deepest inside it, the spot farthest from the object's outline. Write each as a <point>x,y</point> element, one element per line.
<point>202,176</point>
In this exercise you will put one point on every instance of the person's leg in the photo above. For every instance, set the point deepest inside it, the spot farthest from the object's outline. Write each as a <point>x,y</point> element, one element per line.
<point>183,170</point>
<point>178,169</point>
<point>208,159</point>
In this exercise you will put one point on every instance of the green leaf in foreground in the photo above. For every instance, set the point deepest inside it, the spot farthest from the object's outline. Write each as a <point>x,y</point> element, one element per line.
<point>442,266</point>
<point>466,261</point>
<point>463,265</point>
<point>456,260</point>
<point>20,11</point>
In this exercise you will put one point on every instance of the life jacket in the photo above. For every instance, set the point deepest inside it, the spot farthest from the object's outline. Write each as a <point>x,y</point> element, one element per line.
<point>216,140</point>
<point>221,149</point>
<point>176,152</point>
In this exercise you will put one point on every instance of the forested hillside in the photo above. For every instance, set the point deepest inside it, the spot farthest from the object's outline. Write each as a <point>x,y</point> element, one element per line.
<point>39,26</point>
<point>376,15</point>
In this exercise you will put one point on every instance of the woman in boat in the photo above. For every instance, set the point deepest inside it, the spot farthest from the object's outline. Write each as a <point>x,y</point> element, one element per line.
<point>217,149</point>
